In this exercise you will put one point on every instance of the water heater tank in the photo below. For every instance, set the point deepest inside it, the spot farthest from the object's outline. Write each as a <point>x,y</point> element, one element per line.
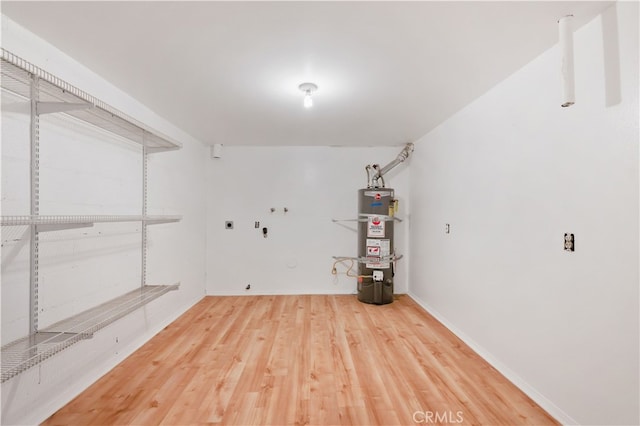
<point>376,208</point>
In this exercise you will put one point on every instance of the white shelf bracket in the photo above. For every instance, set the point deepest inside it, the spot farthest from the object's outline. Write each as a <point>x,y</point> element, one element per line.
<point>153,221</point>
<point>154,149</point>
<point>53,107</point>
<point>62,226</point>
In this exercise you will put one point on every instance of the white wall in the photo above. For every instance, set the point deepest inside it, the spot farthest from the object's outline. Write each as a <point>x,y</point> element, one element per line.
<point>512,172</point>
<point>316,184</point>
<point>85,171</point>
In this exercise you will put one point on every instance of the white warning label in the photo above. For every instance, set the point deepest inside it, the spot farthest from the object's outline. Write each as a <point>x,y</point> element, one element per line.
<point>375,227</point>
<point>376,250</point>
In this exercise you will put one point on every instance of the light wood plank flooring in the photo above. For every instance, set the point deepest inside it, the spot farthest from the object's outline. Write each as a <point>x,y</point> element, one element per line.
<point>321,360</point>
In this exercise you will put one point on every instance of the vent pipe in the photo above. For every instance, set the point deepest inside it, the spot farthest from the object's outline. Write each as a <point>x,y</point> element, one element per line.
<point>566,47</point>
<point>377,181</point>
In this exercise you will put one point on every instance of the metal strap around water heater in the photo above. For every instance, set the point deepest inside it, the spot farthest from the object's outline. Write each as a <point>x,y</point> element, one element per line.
<point>365,218</point>
<point>391,258</point>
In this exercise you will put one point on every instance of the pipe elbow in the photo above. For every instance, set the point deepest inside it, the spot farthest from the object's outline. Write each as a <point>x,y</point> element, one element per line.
<point>406,152</point>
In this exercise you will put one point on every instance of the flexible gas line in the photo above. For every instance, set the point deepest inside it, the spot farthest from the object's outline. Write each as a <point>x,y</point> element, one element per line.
<point>335,273</point>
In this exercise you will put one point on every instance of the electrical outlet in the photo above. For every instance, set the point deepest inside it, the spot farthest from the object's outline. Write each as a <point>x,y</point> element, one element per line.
<point>569,242</point>
<point>447,228</point>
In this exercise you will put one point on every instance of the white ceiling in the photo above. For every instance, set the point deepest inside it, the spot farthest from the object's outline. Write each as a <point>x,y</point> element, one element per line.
<point>228,72</point>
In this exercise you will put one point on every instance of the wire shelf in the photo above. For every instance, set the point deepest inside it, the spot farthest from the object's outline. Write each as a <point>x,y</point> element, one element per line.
<point>84,219</point>
<point>22,354</point>
<point>15,76</point>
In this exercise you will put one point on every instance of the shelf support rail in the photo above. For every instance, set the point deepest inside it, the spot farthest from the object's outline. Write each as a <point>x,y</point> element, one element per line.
<point>34,195</point>
<point>143,266</point>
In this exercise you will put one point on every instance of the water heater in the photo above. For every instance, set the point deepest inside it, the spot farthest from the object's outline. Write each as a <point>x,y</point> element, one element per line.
<point>376,207</point>
<point>376,216</point>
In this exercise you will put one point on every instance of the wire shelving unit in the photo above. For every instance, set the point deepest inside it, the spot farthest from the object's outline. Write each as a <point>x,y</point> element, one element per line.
<point>48,94</point>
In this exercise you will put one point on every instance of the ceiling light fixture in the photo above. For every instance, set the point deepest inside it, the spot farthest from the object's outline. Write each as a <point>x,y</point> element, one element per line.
<point>308,89</point>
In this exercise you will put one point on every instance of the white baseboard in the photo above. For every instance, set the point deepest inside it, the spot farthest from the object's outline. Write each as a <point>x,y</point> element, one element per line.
<point>525,387</point>
<point>270,293</point>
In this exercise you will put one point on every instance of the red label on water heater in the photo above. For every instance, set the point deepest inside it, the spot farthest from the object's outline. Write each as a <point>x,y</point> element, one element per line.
<point>375,227</point>
<point>373,251</point>
<point>378,194</point>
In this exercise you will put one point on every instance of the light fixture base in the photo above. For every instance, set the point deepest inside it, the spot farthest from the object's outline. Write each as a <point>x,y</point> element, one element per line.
<point>308,87</point>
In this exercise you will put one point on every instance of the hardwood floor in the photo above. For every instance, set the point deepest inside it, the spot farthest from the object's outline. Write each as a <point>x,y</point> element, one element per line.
<point>322,360</point>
